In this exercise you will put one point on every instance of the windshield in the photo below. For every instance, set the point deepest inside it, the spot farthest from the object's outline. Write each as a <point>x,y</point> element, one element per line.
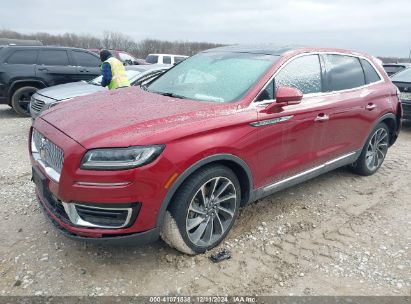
<point>131,75</point>
<point>403,76</point>
<point>214,76</point>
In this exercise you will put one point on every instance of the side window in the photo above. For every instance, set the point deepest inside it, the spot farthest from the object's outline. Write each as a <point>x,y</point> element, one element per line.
<point>267,93</point>
<point>23,57</point>
<point>53,57</point>
<point>166,59</point>
<point>370,74</point>
<point>178,59</point>
<point>86,59</point>
<point>152,59</point>
<point>343,72</point>
<point>303,73</point>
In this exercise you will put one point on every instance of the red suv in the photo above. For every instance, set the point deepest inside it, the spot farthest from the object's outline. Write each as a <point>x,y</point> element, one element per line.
<point>178,157</point>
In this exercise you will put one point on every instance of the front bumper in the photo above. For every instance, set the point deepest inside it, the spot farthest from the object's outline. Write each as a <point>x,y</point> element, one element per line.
<point>56,214</point>
<point>134,239</point>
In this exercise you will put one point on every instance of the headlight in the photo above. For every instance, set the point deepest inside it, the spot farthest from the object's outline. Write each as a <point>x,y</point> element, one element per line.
<point>120,158</point>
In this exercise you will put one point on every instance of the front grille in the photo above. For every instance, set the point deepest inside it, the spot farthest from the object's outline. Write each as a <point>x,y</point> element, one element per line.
<point>36,104</point>
<point>47,152</point>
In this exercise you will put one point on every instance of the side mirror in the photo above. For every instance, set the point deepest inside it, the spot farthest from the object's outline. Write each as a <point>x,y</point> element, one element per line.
<point>284,96</point>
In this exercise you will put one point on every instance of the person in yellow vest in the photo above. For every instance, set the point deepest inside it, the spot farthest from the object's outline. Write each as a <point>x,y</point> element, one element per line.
<point>113,71</point>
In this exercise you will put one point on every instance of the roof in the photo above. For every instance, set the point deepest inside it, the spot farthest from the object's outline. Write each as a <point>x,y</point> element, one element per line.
<point>276,50</point>
<point>161,54</point>
<point>266,49</point>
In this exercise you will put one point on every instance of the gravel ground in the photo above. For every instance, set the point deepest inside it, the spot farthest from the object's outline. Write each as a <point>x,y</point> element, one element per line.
<point>338,234</point>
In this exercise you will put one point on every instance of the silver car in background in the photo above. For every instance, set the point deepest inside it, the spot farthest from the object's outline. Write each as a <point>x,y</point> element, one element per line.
<point>48,97</point>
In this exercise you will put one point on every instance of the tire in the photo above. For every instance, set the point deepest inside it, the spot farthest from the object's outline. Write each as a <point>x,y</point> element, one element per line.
<point>20,101</point>
<point>193,224</point>
<point>373,152</point>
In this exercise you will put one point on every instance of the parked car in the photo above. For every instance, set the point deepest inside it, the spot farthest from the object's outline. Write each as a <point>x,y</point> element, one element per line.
<point>123,56</point>
<point>165,58</point>
<point>402,80</point>
<point>25,69</point>
<point>179,156</point>
<point>49,97</point>
<point>392,68</point>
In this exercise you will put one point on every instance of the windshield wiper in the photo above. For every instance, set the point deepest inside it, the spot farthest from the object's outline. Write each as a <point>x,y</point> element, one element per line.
<point>169,94</point>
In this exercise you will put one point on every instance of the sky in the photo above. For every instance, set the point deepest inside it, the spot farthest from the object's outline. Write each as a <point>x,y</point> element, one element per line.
<point>379,27</point>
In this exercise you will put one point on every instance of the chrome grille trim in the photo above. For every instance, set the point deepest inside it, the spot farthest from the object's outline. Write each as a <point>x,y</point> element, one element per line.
<point>75,218</point>
<point>36,104</point>
<point>49,156</point>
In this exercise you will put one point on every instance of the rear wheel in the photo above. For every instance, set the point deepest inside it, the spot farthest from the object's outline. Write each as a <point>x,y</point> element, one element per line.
<point>374,151</point>
<point>203,210</point>
<point>20,100</point>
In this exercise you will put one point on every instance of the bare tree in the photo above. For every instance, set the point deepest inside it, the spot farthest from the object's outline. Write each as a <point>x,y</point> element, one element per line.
<point>114,40</point>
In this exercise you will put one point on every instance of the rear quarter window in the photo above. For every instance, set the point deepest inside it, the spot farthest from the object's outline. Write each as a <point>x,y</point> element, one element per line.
<point>86,59</point>
<point>370,74</point>
<point>343,72</point>
<point>23,57</point>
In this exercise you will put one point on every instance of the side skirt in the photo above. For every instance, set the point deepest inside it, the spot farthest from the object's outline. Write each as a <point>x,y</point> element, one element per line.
<point>343,160</point>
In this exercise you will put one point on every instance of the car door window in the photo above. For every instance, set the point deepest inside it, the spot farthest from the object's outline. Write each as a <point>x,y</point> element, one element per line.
<point>152,59</point>
<point>178,59</point>
<point>303,73</point>
<point>86,59</point>
<point>23,57</point>
<point>370,74</point>
<point>167,60</point>
<point>343,72</point>
<point>53,57</point>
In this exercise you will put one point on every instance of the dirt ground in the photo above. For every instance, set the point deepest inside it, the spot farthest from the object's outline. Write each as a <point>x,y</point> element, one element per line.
<point>338,234</point>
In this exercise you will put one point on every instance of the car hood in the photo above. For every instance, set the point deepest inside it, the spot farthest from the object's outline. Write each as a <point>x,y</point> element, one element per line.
<point>70,90</point>
<point>131,116</point>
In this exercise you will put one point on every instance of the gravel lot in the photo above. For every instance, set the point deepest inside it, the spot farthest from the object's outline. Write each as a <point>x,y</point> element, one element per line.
<point>338,234</point>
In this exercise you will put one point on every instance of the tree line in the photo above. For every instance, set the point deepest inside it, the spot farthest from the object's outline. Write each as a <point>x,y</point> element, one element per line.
<point>114,40</point>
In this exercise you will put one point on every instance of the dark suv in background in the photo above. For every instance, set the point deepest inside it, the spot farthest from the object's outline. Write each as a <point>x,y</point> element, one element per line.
<point>25,69</point>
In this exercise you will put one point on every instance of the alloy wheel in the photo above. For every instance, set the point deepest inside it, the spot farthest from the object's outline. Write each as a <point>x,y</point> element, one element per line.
<point>376,149</point>
<point>211,211</point>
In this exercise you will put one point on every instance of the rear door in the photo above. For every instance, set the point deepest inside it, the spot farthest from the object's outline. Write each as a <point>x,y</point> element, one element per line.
<point>351,105</point>
<point>88,65</point>
<point>18,64</point>
<point>54,67</point>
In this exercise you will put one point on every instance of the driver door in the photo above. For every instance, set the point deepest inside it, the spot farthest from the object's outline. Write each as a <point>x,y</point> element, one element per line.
<point>292,136</point>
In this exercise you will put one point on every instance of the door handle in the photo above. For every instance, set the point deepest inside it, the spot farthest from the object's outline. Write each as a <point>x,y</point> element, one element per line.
<point>371,106</point>
<point>43,69</point>
<point>322,117</point>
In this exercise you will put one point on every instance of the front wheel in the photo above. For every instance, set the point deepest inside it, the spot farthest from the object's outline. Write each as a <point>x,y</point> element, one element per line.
<point>203,210</point>
<point>20,100</point>
<point>374,151</point>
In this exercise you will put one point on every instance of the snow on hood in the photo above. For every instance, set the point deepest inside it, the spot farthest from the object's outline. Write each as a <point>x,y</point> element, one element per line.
<point>124,117</point>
